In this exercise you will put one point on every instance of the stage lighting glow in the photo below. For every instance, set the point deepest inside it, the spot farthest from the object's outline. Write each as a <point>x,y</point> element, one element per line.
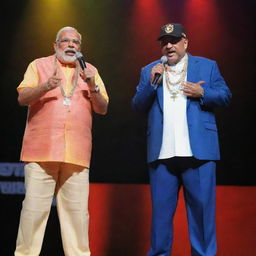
<point>203,23</point>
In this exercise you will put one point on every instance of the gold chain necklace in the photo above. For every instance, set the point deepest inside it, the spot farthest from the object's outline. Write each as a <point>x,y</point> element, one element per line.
<point>174,87</point>
<point>67,96</point>
<point>175,71</point>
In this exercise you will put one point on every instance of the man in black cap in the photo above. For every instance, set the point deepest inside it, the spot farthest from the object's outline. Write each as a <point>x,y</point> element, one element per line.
<point>179,94</point>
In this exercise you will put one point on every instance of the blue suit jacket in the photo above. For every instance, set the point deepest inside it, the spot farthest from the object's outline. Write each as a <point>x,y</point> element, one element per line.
<point>201,120</point>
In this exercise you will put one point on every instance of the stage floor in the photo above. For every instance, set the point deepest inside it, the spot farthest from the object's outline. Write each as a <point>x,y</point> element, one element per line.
<point>120,221</point>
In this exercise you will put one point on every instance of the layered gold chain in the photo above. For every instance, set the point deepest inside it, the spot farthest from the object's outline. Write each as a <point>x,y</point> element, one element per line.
<point>174,87</point>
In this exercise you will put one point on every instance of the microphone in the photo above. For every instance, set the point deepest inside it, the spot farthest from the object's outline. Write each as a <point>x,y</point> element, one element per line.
<point>157,76</point>
<point>80,58</point>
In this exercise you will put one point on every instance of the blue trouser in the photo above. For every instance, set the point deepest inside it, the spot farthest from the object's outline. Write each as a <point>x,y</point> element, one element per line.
<point>198,179</point>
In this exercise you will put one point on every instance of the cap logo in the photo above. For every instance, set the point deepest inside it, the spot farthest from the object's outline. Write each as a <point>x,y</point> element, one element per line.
<point>169,28</point>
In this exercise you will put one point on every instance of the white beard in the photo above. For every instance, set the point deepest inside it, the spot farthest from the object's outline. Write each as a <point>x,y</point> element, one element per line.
<point>61,56</point>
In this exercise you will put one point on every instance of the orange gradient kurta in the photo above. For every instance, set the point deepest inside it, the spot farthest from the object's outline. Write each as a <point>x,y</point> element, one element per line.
<point>55,132</point>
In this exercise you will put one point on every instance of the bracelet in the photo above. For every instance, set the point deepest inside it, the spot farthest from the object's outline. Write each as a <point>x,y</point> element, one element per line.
<point>96,90</point>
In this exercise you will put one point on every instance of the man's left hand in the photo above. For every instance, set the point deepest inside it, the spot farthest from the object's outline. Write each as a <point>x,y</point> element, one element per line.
<point>89,77</point>
<point>193,90</point>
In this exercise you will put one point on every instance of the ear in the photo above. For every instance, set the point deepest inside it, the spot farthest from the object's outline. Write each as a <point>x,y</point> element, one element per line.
<point>186,43</point>
<point>55,46</point>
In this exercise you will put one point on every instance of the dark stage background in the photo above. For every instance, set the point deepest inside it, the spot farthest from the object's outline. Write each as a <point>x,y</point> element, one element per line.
<point>119,37</point>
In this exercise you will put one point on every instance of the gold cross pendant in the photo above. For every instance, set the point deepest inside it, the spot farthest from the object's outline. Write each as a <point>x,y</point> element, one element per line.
<point>174,96</point>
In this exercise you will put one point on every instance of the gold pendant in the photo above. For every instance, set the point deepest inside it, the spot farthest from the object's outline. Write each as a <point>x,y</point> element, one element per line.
<point>174,95</point>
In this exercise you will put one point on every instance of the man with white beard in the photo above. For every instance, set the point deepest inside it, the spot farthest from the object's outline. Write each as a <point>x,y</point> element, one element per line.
<point>57,144</point>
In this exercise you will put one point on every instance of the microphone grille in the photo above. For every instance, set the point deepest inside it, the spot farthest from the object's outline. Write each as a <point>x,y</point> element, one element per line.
<point>79,55</point>
<point>164,59</point>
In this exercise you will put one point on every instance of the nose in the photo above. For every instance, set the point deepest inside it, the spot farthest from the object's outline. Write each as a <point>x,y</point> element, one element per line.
<point>169,45</point>
<point>71,44</point>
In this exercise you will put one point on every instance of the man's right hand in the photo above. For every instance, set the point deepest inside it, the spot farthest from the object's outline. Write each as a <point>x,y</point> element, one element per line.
<point>53,81</point>
<point>158,68</point>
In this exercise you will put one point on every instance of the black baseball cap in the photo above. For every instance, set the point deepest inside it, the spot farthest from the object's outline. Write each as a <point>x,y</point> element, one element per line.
<point>172,29</point>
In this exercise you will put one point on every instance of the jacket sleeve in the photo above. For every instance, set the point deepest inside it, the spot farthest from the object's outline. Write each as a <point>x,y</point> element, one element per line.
<point>145,92</point>
<point>218,93</point>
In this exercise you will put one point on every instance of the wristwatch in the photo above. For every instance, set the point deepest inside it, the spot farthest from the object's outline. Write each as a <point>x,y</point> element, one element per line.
<point>96,90</point>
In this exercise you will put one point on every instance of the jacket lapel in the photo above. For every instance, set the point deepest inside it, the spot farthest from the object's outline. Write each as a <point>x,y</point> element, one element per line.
<point>160,95</point>
<point>191,73</point>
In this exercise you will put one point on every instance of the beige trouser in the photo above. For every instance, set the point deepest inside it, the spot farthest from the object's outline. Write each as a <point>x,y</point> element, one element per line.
<point>70,183</point>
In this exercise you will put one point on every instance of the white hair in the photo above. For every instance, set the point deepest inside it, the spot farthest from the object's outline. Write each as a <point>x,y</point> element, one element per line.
<point>67,28</point>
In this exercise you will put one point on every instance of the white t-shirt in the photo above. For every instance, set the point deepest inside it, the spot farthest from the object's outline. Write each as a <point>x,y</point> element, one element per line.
<point>175,140</point>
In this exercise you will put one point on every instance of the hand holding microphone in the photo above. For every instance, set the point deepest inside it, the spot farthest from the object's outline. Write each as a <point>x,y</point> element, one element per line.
<point>86,74</point>
<point>158,70</point>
